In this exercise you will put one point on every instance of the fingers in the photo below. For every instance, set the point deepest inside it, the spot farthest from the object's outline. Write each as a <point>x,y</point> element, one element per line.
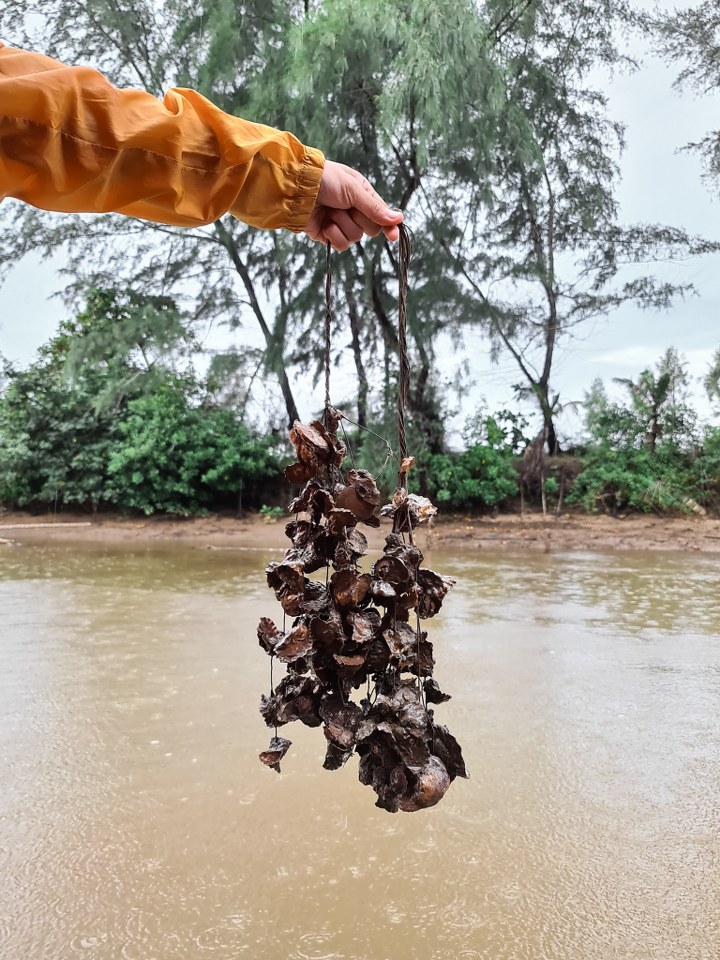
<point>348,226</point>
<point>367,225</point>
<point>370,204</point>
<point>372,229</point>
<point>344,229</point>
<point>348,209</point>
<point>340,228</point>
<point>342,188</point>
<point>338,241</point>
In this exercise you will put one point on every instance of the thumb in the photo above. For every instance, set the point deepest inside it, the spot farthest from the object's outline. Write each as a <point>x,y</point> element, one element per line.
<point>369,203</point>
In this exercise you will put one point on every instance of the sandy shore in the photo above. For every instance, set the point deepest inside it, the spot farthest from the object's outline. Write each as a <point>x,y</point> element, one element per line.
<point>512,532</point>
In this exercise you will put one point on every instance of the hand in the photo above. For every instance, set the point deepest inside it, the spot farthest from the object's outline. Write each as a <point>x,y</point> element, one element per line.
<point>348,209</point>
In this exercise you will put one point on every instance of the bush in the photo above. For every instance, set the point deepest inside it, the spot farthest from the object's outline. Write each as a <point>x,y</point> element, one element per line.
<point>706,470</point>
<point>160,451</point>
<point>479,477</point>
<point>632,479</point>
<point>54,447</point>
<point>174,457</point>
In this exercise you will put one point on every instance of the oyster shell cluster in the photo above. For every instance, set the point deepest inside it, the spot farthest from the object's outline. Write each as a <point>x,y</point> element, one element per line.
<point>350,630</point>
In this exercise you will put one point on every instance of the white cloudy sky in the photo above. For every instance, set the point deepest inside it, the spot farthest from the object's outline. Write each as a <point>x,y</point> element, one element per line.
<point>659,184</point>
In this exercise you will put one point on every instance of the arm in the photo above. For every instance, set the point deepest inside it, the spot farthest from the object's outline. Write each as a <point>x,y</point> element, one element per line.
<point>71,142</point>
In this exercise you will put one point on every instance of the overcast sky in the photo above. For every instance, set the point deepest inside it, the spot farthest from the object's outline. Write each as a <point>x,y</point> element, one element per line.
<point>659,184</point>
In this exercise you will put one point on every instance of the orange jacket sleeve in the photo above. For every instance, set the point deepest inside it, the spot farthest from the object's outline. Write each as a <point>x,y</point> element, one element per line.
<point>71,142</point>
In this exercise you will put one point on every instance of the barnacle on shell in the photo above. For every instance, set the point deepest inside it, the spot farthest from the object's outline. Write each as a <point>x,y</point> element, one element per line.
<point>408,510</point>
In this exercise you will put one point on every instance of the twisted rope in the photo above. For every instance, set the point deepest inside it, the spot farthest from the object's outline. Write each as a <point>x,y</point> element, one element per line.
<point>328,320</point>
<point>404,378</point>
<point>405,250</point>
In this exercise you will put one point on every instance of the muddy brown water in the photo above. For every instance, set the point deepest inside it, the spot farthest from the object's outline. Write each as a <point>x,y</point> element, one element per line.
<point>136,822</point>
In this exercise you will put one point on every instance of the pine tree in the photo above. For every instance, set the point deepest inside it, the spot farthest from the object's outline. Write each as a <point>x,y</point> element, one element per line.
<point>543,251</point>
<point>690,39</point>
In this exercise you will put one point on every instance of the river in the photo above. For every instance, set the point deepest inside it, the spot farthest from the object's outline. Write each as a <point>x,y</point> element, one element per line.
<point>137,823</point>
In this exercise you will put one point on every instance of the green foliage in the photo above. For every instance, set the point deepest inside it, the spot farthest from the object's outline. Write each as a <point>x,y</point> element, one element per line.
<point>610,424</point>
<point>689,38</point>
<point>616,481</point>
<point>504,429</point>
<point>271,514</point>
<point>658,398</point>
<point>132,337</point>
<point>642,455</point>
<point>54,446</point>
<point>711,381</point>
<point>483,121</point>
<point>175,457</point>
<point>706,470</point>
<point>484,475</point>
<point>480,477</point>
<point>544,251</point>
<point>163,449</point>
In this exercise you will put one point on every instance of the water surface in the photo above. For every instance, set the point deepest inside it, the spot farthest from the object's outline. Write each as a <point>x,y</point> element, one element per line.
<point>137,823</point>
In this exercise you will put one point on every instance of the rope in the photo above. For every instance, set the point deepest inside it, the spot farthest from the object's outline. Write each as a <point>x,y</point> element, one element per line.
<point>328,321</point>
<point>404,246</point>
<point>404,379</point>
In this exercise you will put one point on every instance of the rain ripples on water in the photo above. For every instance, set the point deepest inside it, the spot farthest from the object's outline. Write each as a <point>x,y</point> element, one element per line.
<point>136,823</point>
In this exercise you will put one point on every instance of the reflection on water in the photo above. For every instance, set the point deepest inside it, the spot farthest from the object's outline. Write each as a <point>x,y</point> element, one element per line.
<point>136,822</point>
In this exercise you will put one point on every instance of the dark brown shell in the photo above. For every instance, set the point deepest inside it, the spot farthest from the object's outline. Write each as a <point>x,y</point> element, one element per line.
<point>430,786</point>
<point>340,520</point>
<point>393,570</point>
<point>274,754</point>
<point>296,644</point>
<point>298,473</point>
<point>310,443</point>
<point>434,589</point>
<point>268,634</point>
<point>349,588</point>
<point>349,499</point>
<point>365,486</point>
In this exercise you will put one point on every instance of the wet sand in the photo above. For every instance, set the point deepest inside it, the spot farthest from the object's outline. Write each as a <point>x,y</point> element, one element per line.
<point>506,532</point>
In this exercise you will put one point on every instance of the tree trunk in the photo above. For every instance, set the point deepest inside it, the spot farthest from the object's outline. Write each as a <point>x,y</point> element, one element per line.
<point>543,394</point>
<point>271,344</point>
<point>292,410</point>
<point>653,432</point>
<point>552,440</point>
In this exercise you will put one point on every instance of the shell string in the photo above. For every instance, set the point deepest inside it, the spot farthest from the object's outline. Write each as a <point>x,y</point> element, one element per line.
<point>405,253</point>
<point>328,323</point>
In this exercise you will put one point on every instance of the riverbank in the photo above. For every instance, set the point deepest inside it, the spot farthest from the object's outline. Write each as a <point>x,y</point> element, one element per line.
<point>505,532</point>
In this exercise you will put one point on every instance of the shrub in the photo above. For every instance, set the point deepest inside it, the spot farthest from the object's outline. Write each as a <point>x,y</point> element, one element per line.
<point>632,479</point>
<point>479,477</point>
<point>178,458</point>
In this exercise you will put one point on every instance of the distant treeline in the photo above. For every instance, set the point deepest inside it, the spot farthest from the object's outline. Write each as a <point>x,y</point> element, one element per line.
<point>88,425</point>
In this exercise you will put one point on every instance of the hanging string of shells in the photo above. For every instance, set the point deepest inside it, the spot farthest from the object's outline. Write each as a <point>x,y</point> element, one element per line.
<point>355,631</point>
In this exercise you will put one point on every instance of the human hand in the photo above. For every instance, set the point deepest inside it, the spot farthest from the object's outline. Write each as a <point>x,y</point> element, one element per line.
<point>348,209</point>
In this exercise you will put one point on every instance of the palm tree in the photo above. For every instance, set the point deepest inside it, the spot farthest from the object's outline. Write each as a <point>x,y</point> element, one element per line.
<point>653,390</point>
<point>711,381</point>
